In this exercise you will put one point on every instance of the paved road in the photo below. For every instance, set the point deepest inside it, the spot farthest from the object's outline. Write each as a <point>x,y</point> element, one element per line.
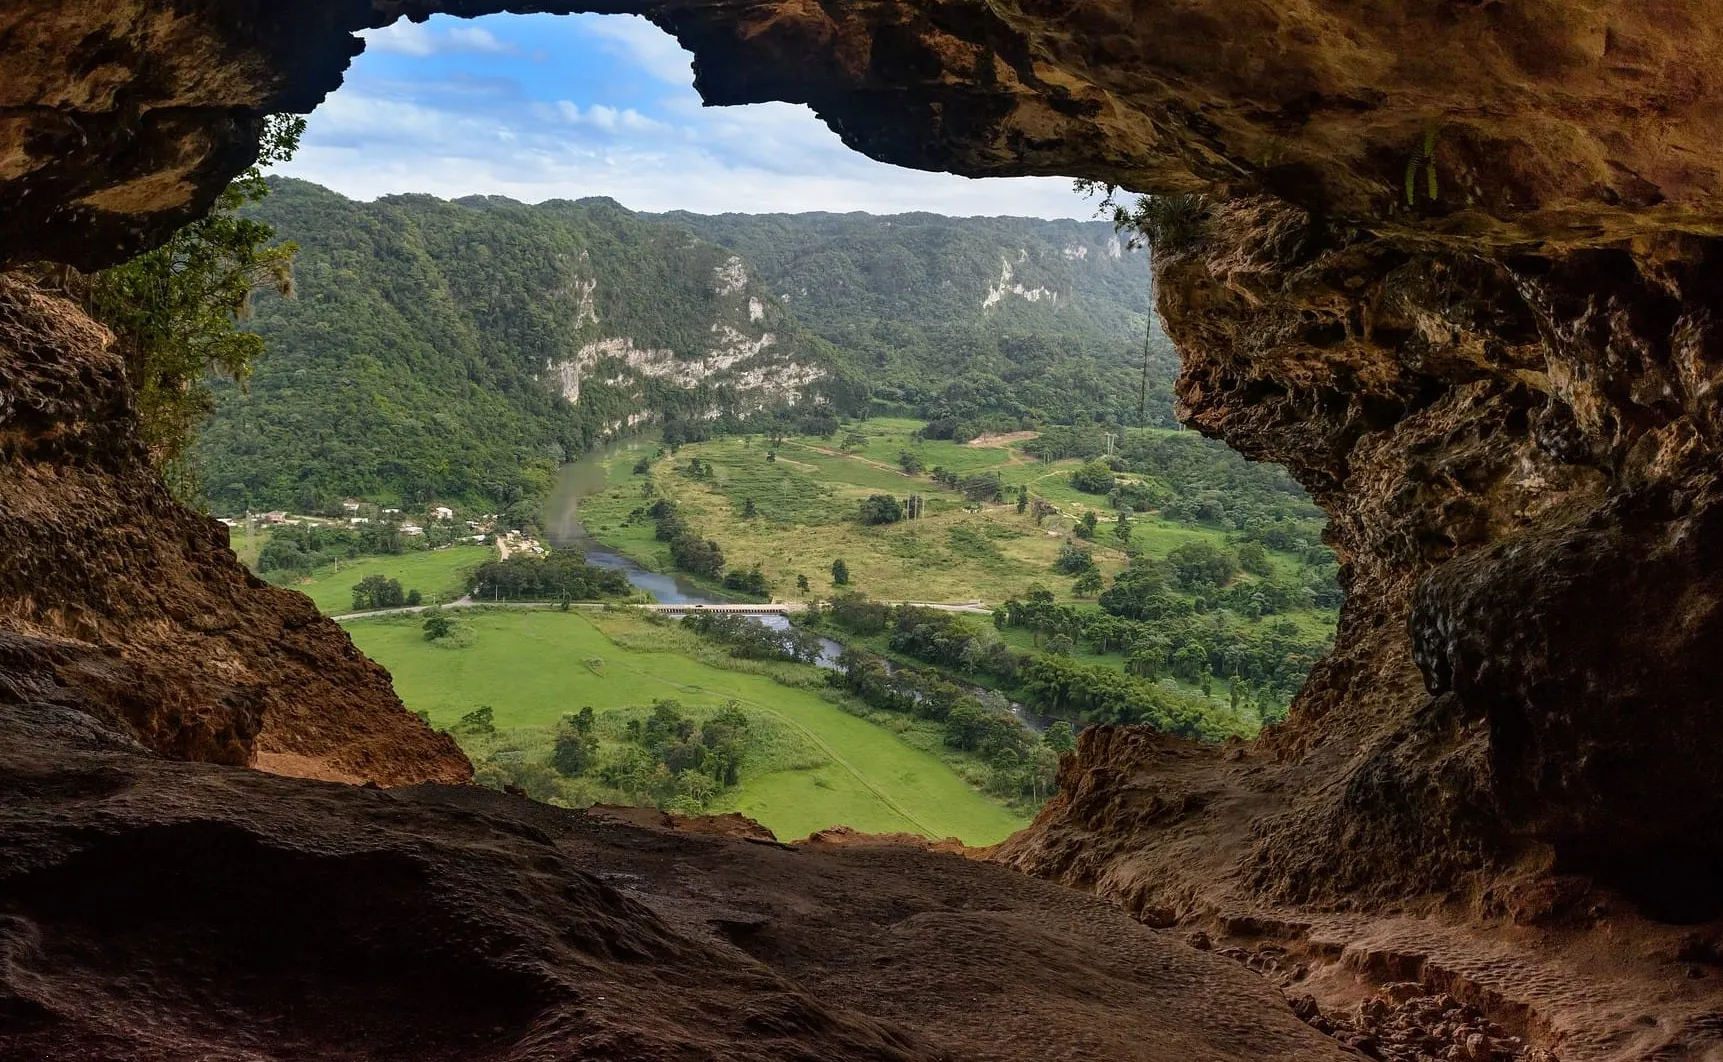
<point>779,609</point>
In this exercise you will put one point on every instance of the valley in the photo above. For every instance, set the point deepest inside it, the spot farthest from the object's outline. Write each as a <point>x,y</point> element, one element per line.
<point>924,746</point>
<point>836,411</point>
<point>809,763</point>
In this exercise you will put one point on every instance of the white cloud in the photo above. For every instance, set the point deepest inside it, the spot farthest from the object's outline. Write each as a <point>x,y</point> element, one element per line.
<point>609,119</point>
<point>476,39</point>
<point>401,38</point>
<point>420,41</point>
<point>451,132</point>
<point>651,48</point>
<point>453,156</point>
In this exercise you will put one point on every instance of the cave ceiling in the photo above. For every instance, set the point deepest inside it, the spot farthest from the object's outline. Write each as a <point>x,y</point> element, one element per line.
<point>1545,124</point>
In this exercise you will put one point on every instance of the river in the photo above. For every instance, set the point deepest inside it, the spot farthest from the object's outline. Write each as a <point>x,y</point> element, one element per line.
<point>588,476</point>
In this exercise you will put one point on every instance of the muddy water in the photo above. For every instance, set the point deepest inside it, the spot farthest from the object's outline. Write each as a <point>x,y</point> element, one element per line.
<point>586,477</point>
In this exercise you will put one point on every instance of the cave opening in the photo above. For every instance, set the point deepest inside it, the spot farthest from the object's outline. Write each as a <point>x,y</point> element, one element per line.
<point>576,115</point>
<point>1458,276</point>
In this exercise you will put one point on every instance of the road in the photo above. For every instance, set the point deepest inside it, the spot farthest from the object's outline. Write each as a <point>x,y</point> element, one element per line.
<point>782,608</point>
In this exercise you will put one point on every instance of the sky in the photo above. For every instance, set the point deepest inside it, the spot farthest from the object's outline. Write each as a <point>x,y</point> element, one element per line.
<point>539,107</point>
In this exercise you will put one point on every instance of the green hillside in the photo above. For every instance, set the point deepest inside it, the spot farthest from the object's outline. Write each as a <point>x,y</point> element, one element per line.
<point>432,348</point>
<point>460,350</point>
<point>968,317</point>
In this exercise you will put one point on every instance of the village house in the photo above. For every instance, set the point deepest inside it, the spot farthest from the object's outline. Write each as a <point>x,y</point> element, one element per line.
<point>350,505</point>
<point>443,512</point>
<point>412,529</point>
<point>277,517</point>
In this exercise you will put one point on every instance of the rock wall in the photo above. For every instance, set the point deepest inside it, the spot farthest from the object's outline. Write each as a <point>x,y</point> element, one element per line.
<point>1520,460</point>
<point>117,600</point>
<point>1455,266</point>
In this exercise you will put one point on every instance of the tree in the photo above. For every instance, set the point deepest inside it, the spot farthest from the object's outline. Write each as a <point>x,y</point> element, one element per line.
<point>840,573</point>
<point>174,311</point>
<point>437,626</point>
<point>481,720</point>
<point>377,591</point>
<point>1060,737</point>
<point>1085,528</point>
<point>1094,477</point>
<point>1022,499</point>
<point>910,462</point>
<point>749,510</point>
<point>1073,560</point>
<point>1253,558</point>
<point>881,509</point>
<point>1087,584</point>
<point>1199,564</point>
<point>575,750</point>
<point>414,598</point>
<point>1122,529</point>
<point>802,584</point>
<point>855,440</point>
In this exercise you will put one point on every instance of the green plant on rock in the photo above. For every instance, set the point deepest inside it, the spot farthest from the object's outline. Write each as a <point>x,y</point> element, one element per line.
<point>1423,158</point>
<point>175,311</point>
<point>1166,223</point>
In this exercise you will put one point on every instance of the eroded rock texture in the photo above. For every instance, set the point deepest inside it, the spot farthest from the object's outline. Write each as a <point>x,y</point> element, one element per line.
<point>117,600</point>
<point>1553,122</point>
<point>1457,270</point>
<point>152,910</point>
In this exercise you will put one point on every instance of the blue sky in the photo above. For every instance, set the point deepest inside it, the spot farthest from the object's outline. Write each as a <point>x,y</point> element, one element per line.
<point>542,107</point>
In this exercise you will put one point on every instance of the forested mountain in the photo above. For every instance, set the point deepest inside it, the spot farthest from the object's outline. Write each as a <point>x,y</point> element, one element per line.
<point>968,317</point>
<point>460,349</point>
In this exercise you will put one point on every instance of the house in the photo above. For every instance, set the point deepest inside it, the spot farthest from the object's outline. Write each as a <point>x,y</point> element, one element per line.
<point>443,512</point>
<point>350,505</point>
<point>357,520</point>
<point>276,517</point>
<point>412,529</point>
<point>391,512</point>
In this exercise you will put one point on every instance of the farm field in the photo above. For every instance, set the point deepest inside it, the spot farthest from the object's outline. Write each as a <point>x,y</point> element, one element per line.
<point>806,502</point>
<point>829,767</point>
<point>438,574</point>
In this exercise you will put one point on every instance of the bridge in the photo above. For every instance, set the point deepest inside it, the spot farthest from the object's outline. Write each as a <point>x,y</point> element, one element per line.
<point>779,608</point>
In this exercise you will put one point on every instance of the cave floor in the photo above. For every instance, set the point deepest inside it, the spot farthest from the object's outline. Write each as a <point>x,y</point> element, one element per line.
<point>152,909</point>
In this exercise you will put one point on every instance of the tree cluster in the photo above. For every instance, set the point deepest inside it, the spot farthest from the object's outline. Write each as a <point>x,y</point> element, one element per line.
<point>750,640</point>
<point>380,591</point>
<point>560,575</point>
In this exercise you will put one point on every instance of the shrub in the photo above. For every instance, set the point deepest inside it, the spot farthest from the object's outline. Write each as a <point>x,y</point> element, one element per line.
<point>1094,477</point>
<point>881,509</point>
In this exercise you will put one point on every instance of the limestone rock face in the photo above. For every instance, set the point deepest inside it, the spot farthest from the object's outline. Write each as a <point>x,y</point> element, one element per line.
<point>1456,264</point>
<point>117,600</point>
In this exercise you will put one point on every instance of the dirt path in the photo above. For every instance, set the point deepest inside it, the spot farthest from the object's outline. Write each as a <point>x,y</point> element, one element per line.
<point>881,465</point>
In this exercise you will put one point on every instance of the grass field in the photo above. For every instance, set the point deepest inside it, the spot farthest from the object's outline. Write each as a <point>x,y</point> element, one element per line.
<point>806,502</point>
<point>437,574</point>
<point>532,667</point>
